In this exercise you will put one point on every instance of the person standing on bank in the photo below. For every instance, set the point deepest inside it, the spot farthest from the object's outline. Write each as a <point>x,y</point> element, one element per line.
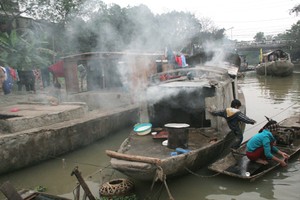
<point>261,146</point>
<point>234,117</point>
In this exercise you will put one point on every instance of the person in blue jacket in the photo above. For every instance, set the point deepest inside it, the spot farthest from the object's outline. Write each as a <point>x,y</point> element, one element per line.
<point>261,147</point>
<point>233,117</point>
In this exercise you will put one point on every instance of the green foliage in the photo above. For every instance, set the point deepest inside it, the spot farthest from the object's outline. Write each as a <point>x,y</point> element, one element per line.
<point>296,9</point>
<point>74,26</point>
<point>178,28</point>
<point>40,188</point>
<point>59,11</point>
<point>259,37</point>
<point>293,37</point>
<point>22,51</point>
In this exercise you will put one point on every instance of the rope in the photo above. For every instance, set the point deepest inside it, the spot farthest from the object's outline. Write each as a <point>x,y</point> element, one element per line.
<point>201,176</point>
<point>76,191</point>
<point>163,178</point>
<point>271,117</point>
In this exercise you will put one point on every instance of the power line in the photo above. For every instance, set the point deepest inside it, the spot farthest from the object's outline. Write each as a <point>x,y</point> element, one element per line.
<point>254,21</point>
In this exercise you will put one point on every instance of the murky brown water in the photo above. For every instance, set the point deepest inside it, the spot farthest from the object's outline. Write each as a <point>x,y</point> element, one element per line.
<point>271,96</point>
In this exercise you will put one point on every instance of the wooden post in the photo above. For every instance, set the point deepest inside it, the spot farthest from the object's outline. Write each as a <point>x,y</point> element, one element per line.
<point>82,183</point>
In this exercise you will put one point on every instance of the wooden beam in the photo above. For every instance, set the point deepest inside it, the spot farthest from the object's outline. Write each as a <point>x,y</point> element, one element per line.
<point>128,157</point>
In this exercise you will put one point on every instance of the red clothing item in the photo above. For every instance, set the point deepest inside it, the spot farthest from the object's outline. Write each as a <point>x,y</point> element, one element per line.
<point>57,69</point>
<point>258,153</point>
<point>13,73</point>
<point>178,60</point>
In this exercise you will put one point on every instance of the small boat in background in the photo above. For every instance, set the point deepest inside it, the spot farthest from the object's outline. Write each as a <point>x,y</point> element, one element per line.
<point>275,63</point>
<point>236,164</point>
<point>244,67</point>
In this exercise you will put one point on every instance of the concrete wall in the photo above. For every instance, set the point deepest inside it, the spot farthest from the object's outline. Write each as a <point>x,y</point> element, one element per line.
<point>18,150</point>
<point>101,100</point>
<point>33,116</point>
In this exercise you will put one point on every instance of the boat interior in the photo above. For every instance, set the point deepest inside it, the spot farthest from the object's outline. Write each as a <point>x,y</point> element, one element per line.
<point>151,146</point>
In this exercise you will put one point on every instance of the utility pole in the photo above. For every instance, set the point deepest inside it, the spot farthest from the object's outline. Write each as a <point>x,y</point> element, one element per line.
<point>230,32</point>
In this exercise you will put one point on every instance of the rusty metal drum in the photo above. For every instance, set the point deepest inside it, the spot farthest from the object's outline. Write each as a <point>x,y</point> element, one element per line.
<point>178,135</point>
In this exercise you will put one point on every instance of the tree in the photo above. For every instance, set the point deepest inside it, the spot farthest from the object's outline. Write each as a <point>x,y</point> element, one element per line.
<point>296,9</point>
<point>259,37</point>
<point>74,26</point>
<point>58,11</point>
<point>293,37</point>
<point>23,52</point>
<point>178,28</point>
<point>207,25</point>
<point>49,20</point>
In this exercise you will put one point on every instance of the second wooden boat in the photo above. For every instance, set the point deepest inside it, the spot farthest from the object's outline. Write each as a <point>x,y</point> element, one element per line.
<point>236,164</point>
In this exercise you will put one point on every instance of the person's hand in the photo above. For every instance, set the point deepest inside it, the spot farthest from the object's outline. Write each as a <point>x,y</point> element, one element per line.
<point>211,109</point>
<point>253,122</point>
<point>283,163</point>
<point>285,156</point>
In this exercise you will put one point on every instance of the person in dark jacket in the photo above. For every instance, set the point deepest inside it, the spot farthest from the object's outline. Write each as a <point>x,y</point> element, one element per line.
<point>234,117</point>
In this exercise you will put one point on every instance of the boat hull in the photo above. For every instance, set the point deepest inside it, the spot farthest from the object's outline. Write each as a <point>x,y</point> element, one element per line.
<point>275,68</point>
<point>171,166</point>
<point>181,96</point>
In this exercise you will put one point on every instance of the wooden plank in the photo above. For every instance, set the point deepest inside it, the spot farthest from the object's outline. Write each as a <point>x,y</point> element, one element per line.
<point>144,159</point>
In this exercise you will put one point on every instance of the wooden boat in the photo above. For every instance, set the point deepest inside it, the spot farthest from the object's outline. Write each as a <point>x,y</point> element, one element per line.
<point>244,67</point>
<point>275,63</point>
<point>30,195</point>
<point>180,97</point>
<point>236,164</point>
<point>12,194</point>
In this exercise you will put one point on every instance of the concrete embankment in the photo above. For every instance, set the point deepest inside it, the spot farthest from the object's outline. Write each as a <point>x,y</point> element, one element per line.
<point>18,150</point>
<point>22,148</point>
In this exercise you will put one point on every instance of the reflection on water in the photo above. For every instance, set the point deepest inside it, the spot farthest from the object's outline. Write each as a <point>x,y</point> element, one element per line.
<point>274,97</point>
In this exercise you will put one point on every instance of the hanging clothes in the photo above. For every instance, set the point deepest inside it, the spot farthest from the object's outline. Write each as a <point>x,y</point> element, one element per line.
<point>8,83</point>
<point>183,60</point>
<point>13,73</point>
<point>57,69</point>
<point>2,79</point>
<point>38,78</point>
<point>178,60</point>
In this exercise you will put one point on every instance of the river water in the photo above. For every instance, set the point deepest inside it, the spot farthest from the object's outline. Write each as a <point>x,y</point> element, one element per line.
<point>274,97</point>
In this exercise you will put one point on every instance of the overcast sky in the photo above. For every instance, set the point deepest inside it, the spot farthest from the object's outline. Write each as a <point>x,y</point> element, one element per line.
<point>242,19</point>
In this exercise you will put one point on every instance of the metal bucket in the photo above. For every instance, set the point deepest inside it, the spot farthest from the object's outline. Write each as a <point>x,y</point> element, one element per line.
<point>178,135</point>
